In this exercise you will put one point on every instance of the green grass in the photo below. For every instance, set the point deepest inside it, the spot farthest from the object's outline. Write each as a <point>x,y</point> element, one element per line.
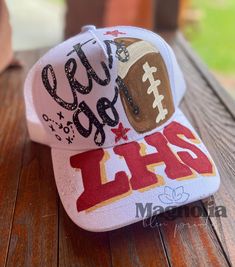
<point>214,36</point>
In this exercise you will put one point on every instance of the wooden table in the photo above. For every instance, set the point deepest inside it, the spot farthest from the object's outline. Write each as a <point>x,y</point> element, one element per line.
<point>34,228</point>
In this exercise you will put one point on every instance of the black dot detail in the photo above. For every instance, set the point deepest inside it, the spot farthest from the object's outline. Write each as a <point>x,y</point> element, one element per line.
<point>66,129</point>
<point>58,137</point>
<point>45,117</point>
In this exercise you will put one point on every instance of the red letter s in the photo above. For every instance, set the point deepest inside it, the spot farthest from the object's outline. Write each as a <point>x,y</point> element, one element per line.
<point>201,163</point>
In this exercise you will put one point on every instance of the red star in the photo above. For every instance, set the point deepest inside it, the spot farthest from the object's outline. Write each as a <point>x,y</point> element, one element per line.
<point>114,33</point>
<point>120,132</point>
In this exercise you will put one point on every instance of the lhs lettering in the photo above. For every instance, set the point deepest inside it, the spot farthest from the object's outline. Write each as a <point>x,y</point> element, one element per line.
<point>177,166</point>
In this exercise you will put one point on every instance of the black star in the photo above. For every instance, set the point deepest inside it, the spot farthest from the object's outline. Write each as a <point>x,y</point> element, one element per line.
<point>69,140</point>
<point>52,128</point>
<point>60,115</point>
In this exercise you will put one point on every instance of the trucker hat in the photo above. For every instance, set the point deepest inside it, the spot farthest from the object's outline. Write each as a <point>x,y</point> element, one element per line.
<point>107,103</point>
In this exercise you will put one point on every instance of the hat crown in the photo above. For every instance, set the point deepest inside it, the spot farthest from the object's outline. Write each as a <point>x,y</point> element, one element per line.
<point>105,87</point>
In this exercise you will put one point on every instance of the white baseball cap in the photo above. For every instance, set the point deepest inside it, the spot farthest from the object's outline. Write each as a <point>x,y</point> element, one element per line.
<point>107,103</point>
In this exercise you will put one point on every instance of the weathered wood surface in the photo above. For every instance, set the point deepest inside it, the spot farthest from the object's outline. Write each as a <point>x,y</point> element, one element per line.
<point>34,228</point>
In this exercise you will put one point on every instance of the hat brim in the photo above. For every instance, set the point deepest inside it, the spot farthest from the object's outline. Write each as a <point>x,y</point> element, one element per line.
<point>117,210</point>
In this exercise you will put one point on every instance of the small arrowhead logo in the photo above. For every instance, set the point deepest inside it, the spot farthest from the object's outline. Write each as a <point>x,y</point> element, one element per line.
<point>114,33</point>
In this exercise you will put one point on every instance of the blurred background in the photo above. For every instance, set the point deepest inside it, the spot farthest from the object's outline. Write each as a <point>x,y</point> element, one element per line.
<point>207,24</point>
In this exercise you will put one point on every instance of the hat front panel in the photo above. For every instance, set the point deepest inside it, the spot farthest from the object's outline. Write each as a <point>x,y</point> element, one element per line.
<point>81,96</point>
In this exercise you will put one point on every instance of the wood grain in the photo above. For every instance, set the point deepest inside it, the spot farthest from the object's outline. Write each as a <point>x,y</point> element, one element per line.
<point>190,240</point>
<point>136,245</point>
<point>35,225</point>
<point>212,117</point>
<point>216,125</point>
<point>78,247</point>
<point>12,137</point>
<point>27,195</point>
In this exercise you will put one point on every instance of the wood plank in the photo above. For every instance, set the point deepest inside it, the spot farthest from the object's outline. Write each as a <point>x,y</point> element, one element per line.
<point>213,120</point>
<point>78,247</point>
<point>136,245</point>
<point>190,240</point>
<point>34,236</point>
<point>12,148</point>
<point>12,136</point>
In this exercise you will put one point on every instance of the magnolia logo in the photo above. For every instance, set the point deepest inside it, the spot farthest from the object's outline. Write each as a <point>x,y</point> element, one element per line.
<point>171,211</point>
<point>171,195</point>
